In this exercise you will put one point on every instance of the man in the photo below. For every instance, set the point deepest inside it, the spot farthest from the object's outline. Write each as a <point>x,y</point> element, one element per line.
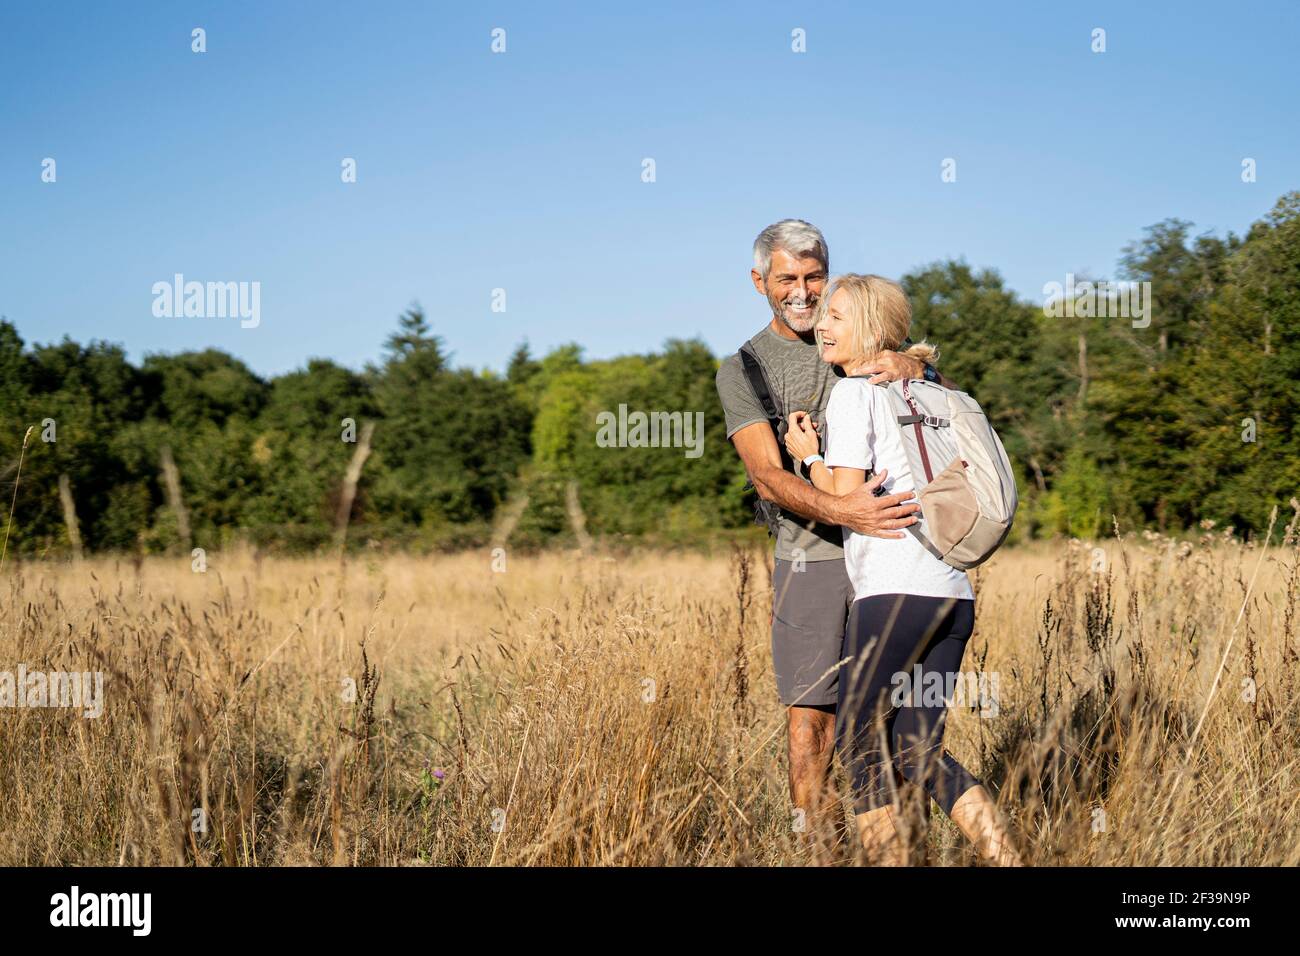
<point>811,590</point>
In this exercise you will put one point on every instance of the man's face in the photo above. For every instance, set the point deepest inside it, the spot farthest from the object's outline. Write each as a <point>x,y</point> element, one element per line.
<point>793,286</point>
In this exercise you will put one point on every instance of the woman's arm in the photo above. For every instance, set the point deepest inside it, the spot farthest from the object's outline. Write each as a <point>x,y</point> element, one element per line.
<point>836,481</point>
<point>801,442</point>
<point>823,478</point>
<point>846,480</point>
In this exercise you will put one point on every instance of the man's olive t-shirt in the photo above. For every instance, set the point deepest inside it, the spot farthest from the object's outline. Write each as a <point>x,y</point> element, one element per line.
<point>799,381</point>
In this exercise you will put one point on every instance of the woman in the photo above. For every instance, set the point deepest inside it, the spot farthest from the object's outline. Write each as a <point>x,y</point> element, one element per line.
<point>909,608</point>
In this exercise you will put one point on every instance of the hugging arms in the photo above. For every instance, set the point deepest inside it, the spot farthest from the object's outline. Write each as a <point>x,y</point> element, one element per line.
<point>855,506</point>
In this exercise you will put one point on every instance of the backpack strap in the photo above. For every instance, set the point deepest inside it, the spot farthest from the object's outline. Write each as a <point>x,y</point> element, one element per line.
<point>913,529</point>
<point>915,418</point>
<point>932,420</point>
<point>758,382</point>
<point>869,378</point>
<point>765,512</point>
<point>919,535</point>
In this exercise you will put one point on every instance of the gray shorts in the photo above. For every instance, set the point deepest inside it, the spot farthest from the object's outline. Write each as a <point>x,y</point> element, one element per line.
<point>810,609</point>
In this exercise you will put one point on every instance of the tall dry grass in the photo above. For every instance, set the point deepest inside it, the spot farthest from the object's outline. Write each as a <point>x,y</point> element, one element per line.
<point>618,710</point>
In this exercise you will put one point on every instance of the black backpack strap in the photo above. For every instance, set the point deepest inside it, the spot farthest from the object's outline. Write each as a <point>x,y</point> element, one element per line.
<point>765,512</point>
<point>758,382</point>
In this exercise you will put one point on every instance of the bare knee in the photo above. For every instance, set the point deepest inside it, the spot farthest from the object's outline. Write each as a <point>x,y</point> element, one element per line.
<point>812,734</point>
<point>812,741</point>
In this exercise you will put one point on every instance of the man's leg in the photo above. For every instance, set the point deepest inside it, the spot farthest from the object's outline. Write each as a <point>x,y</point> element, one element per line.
<point>809,607</point>
<point>812,742</point>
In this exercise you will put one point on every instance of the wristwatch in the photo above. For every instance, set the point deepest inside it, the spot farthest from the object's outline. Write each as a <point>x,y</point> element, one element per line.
<point>931,373</point>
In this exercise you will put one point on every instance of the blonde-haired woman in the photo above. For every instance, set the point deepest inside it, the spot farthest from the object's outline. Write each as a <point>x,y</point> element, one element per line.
<point>909,608</point>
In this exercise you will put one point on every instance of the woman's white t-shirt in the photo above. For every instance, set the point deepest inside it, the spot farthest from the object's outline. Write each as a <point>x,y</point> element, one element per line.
<point>862,433</point>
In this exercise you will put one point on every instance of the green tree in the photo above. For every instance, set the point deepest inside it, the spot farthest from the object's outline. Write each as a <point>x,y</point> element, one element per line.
<point>450,441</point>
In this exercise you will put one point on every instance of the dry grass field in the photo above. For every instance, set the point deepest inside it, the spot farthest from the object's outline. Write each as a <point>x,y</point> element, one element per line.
<point>620,710</point>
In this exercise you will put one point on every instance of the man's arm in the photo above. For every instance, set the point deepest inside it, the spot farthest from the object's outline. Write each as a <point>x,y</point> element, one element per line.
<point>859,510</point>
<point>891,366</point>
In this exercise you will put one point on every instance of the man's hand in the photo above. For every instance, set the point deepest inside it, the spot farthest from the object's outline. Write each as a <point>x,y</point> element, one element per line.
<point>865,513</point>
<point>893,366</point>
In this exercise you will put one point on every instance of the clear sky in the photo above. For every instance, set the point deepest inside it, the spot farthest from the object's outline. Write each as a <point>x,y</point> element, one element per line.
<point>523,170</point>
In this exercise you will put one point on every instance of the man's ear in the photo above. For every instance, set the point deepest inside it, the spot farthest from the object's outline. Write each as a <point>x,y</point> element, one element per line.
<point>759,284</point>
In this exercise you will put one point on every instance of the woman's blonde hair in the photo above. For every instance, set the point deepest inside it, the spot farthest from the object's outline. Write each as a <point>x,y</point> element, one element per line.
<point>879,315</point>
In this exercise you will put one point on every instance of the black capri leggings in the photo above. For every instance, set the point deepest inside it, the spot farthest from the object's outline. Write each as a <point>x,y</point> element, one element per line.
<point>887,636</point>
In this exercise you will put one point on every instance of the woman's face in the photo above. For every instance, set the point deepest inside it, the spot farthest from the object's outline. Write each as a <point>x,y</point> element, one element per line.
<point>835,330</point>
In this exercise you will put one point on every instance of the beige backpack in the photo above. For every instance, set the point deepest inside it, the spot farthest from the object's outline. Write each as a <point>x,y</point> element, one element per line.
<point>963,479</point>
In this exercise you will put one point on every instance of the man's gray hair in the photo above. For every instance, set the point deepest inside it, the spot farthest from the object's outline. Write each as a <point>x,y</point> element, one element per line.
<point>799,238</point>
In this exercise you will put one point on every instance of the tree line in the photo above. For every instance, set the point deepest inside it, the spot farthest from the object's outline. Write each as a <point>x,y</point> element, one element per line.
<point>1186,420</point>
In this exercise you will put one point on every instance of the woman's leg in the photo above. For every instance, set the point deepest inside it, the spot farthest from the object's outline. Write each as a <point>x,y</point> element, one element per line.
<point>881,838</point>
<point>918,729</point>
<point>878,646</point>
<point>976,816</point>
<point>942,629</point>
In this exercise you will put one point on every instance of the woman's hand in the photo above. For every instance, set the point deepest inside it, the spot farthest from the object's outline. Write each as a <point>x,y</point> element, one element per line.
<point>801,437</point>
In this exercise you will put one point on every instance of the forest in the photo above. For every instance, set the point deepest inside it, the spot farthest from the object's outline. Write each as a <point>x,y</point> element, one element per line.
<point>1185,420</point>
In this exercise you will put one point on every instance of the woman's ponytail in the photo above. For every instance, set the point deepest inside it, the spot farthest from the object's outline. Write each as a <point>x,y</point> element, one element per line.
<point>924,351</point>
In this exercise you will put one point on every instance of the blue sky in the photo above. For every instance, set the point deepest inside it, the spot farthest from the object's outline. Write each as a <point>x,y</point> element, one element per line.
<point>522,170</point>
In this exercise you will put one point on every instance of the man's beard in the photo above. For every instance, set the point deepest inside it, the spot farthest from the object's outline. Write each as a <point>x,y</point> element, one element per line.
<point>794,323</point>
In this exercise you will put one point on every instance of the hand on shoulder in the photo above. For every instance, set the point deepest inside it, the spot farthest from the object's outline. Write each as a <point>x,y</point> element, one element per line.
<point>892,367</point>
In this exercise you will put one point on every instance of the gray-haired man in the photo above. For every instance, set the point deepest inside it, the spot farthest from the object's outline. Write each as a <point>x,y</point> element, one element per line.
<point>812,594</point>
